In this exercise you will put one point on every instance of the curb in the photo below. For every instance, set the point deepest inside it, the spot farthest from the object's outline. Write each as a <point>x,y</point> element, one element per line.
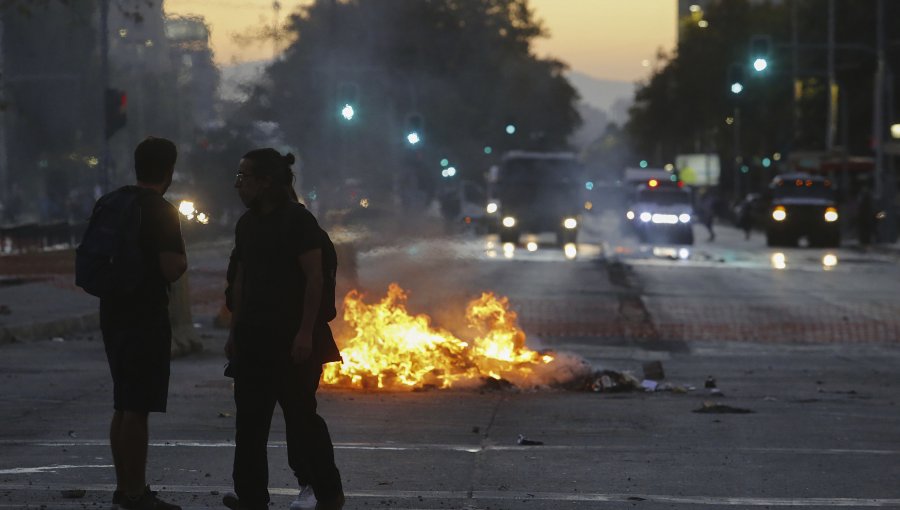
<point>53,328</point>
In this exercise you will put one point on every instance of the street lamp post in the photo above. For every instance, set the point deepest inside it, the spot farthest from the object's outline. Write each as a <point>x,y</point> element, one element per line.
<point>103,177</point>
<point>884,177</point>
<point>738,159</point>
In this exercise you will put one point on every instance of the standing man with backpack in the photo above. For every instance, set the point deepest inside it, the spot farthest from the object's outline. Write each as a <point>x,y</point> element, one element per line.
<point>281,297</point>
<point>131,252</point>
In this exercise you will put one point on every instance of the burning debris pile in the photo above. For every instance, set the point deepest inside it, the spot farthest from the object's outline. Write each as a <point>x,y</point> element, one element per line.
<point>394,350</point>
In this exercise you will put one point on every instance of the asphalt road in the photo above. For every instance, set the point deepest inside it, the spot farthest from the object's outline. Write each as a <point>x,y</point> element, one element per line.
<point>811,348</point>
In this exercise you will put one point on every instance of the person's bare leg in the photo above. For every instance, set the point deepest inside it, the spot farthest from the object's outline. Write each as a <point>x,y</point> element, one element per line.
<point>133,437</point>
<point>115,444</point>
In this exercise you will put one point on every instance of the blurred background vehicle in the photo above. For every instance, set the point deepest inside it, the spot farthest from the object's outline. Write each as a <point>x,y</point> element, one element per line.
<point>537,193</point>
<point>802,206</point>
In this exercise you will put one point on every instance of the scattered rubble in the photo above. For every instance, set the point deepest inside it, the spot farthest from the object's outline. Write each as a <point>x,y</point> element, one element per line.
<point>653,371</point>
<point>716,408</point>
<point>524,441</point>
<point>496,384</point>
<point>73,493</point>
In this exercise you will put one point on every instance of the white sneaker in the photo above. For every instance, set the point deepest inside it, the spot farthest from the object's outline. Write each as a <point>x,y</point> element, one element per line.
<point>306,499</point>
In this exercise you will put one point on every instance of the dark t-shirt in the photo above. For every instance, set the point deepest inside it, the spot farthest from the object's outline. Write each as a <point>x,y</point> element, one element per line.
<point>268,247</point>
<point>160,232</point>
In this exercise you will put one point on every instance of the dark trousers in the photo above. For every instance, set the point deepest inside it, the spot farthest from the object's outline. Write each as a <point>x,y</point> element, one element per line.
<point>310,451</point>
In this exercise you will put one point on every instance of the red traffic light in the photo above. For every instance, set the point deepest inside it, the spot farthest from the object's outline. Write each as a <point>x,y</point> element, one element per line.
<point>116,108</point>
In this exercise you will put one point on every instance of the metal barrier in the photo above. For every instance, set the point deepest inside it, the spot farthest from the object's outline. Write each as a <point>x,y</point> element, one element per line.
<point>32,237</point>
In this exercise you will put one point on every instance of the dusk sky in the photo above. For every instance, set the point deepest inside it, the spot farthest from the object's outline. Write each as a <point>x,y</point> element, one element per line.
<point>607,39</point>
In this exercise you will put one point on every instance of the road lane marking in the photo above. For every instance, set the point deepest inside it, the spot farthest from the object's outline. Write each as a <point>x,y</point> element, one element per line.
<point>467,448</point>
<point>50,469</point>
<point>561,497</point>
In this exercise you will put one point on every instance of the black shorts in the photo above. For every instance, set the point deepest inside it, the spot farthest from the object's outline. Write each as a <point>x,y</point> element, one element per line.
<point>138,352</point>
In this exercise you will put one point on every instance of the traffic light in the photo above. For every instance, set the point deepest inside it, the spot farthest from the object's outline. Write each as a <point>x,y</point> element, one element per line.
<point>115,108</point>
<point>347,100</point>
<point>760,48</point>
<point>736,78</point>
<point>415,126</point>
<point>510,126</point>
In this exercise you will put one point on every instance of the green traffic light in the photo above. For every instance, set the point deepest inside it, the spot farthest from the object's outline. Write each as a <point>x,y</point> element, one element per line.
<point>347,112</point>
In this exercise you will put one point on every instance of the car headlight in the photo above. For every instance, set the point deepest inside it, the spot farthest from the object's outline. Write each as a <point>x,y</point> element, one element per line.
<point>646,217</point>
<point>831,214</point>
<point>779,214</point>
<point>570,223</point>
<point>509,222</point>
<point>684,217</point>
<point>630,215</point>
<point>491,208</point>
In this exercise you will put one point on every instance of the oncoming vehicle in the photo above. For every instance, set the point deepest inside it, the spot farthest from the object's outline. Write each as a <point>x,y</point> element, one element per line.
<point>803,205</point>
<point>662,211</point>
<point>538,192</point>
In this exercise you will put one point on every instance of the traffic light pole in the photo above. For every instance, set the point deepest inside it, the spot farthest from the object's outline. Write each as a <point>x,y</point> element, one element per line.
<point>830,122</point>
<point>4,168</point>
<point>884,178</point>
<point>738,159</point>
<point>103,177</point>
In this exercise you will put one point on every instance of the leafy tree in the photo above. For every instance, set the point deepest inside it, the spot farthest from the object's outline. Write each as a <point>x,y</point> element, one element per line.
<point>684,105</point>
<point>465,66</point>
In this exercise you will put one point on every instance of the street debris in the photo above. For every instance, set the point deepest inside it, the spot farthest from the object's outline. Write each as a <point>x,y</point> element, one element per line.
<point>714,390</point>
<point>610,381</point>
<point>653,371</point>
<point>496,384</point>
<point>73,493</point>
<point>710,407</point>
<point>524,441</point>
<point>223,414</point>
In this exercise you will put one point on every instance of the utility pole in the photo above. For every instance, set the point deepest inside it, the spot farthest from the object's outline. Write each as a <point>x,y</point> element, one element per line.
<point>884,179</point>
<point>830,123</point>
<point>103,177</point>
<point>795,63</point>
<point>738,159</point>
<point>4,167</point>
<point>276,29</point>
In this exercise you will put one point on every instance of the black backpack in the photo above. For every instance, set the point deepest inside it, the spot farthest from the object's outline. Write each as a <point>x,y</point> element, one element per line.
<point>109,261</point>
<point>327,309</point>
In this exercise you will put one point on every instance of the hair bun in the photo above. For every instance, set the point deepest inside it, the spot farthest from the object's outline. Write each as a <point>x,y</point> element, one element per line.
<point>289,159</point>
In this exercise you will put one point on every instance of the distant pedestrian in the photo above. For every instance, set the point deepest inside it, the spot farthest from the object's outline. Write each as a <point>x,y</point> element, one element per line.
<point>135,323</point>
<point>279,336</point>
<point>708,212</point>
<point>745,217</point>
<point>865,210</point>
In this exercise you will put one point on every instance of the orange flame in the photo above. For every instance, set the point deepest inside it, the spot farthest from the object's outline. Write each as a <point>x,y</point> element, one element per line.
<point>392,349</point>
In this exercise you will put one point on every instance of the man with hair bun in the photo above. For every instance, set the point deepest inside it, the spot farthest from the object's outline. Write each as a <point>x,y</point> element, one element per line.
<point>279,337</point>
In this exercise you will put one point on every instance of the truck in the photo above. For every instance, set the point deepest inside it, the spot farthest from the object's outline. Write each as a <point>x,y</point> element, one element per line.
<point>536,193</point>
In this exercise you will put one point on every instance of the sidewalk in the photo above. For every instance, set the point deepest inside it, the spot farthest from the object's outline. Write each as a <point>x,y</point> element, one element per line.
<point>39,299</point>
